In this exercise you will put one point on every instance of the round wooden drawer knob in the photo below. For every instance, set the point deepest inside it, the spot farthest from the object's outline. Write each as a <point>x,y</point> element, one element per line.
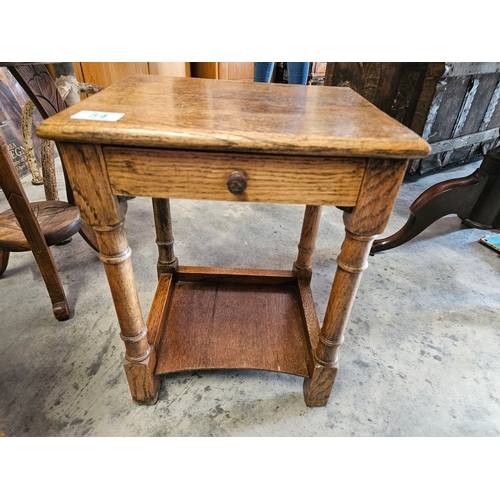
<point>237,182</point>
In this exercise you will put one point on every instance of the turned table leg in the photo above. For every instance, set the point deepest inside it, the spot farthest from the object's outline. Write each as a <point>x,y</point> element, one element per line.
<point>140,358</point>
<point>368,218</point>
<point>105,213</point>
<point>351,262</point>
<point>302,266</point>
<point>167,261</point>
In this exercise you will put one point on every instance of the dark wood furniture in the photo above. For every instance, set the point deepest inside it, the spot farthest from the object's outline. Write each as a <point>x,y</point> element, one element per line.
<point>38,84</point>
<point>456,108</point>
<point>475,199</point>
<point>34,227</point>
<point>247,142</point>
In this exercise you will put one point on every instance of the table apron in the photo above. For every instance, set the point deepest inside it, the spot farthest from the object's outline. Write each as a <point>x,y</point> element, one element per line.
<point>162,173</point>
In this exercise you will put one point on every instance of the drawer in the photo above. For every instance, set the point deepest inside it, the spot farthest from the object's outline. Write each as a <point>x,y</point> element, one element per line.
<point>201,175</point>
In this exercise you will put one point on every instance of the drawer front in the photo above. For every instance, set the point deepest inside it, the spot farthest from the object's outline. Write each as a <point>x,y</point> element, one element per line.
<point>198,175</point>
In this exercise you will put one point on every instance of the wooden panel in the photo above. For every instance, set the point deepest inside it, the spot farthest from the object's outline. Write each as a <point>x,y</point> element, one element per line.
<point>310,318</point>
<point>170,68</point>
<point>465,140</point>
<point>433,74</point>
<point>455,69</point>
<point>107,73</point>
<point>239,70</point>
<point>223,70</point>
<point>187,113</point>
<point>205,70</point>
<point>203,176</point>
<point>113,72</point>
<point>482,97</point>
<point>78,71</point>
<point>494,112</point>
<point>482,87</point>
<point>458,111</point>
<point>157,314</point>
<point>452,98</point>
<point>393,87</point>
<point>153,68</point>
<point>232,275</point>
<point>227,325</point>
<point>454,101</point>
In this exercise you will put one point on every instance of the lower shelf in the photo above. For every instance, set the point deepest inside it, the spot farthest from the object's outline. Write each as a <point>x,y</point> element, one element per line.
<point>206,318</point>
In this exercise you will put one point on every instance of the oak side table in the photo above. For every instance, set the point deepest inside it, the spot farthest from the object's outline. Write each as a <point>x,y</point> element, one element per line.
<point>237,141</point>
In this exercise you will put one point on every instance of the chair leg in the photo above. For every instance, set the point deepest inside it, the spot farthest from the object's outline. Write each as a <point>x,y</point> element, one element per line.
<point>50,276</point>
<point>4,260</point>
<point>42,254</point>
<point>30,227</point>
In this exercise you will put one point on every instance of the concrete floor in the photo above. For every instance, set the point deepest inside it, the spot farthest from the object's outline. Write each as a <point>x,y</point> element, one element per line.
<point>421,355</point>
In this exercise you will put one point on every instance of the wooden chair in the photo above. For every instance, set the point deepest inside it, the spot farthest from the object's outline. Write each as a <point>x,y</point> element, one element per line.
<point>37,82</point>
<point>35,226</point>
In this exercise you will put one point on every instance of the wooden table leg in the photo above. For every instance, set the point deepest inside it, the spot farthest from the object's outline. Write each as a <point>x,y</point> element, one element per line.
<point>140,358</point>
<point>368,218</point>
<point>351,262</point>
<point>302,266</point>
<point>167,261</point>
<point>106,214</point>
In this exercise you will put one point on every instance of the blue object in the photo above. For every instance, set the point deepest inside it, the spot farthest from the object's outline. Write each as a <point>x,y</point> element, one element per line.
<point>492,242</point>
<point>297,72</point>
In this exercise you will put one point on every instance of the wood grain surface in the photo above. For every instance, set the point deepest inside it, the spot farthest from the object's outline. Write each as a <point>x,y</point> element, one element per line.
<point>221,70</point>
<point>310,225</point>
<point>107,73</point>
<point>204,175</point>
<point>169,68</point>
<point>167,261</point>
<point>58,221</point>
<point>183,138</point>
<point>158,312</point>
<point>234,275</point>
<point>198,113</point>
<point>231,325</point>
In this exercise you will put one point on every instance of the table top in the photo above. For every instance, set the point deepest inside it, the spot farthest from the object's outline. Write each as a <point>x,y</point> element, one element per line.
<point>221,115</point>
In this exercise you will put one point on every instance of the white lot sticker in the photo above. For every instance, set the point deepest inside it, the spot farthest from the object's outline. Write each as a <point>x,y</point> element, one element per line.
<point>101,116</point>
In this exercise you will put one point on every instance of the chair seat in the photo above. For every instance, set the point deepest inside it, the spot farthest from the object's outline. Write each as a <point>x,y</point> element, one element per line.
<point>57,219</point>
